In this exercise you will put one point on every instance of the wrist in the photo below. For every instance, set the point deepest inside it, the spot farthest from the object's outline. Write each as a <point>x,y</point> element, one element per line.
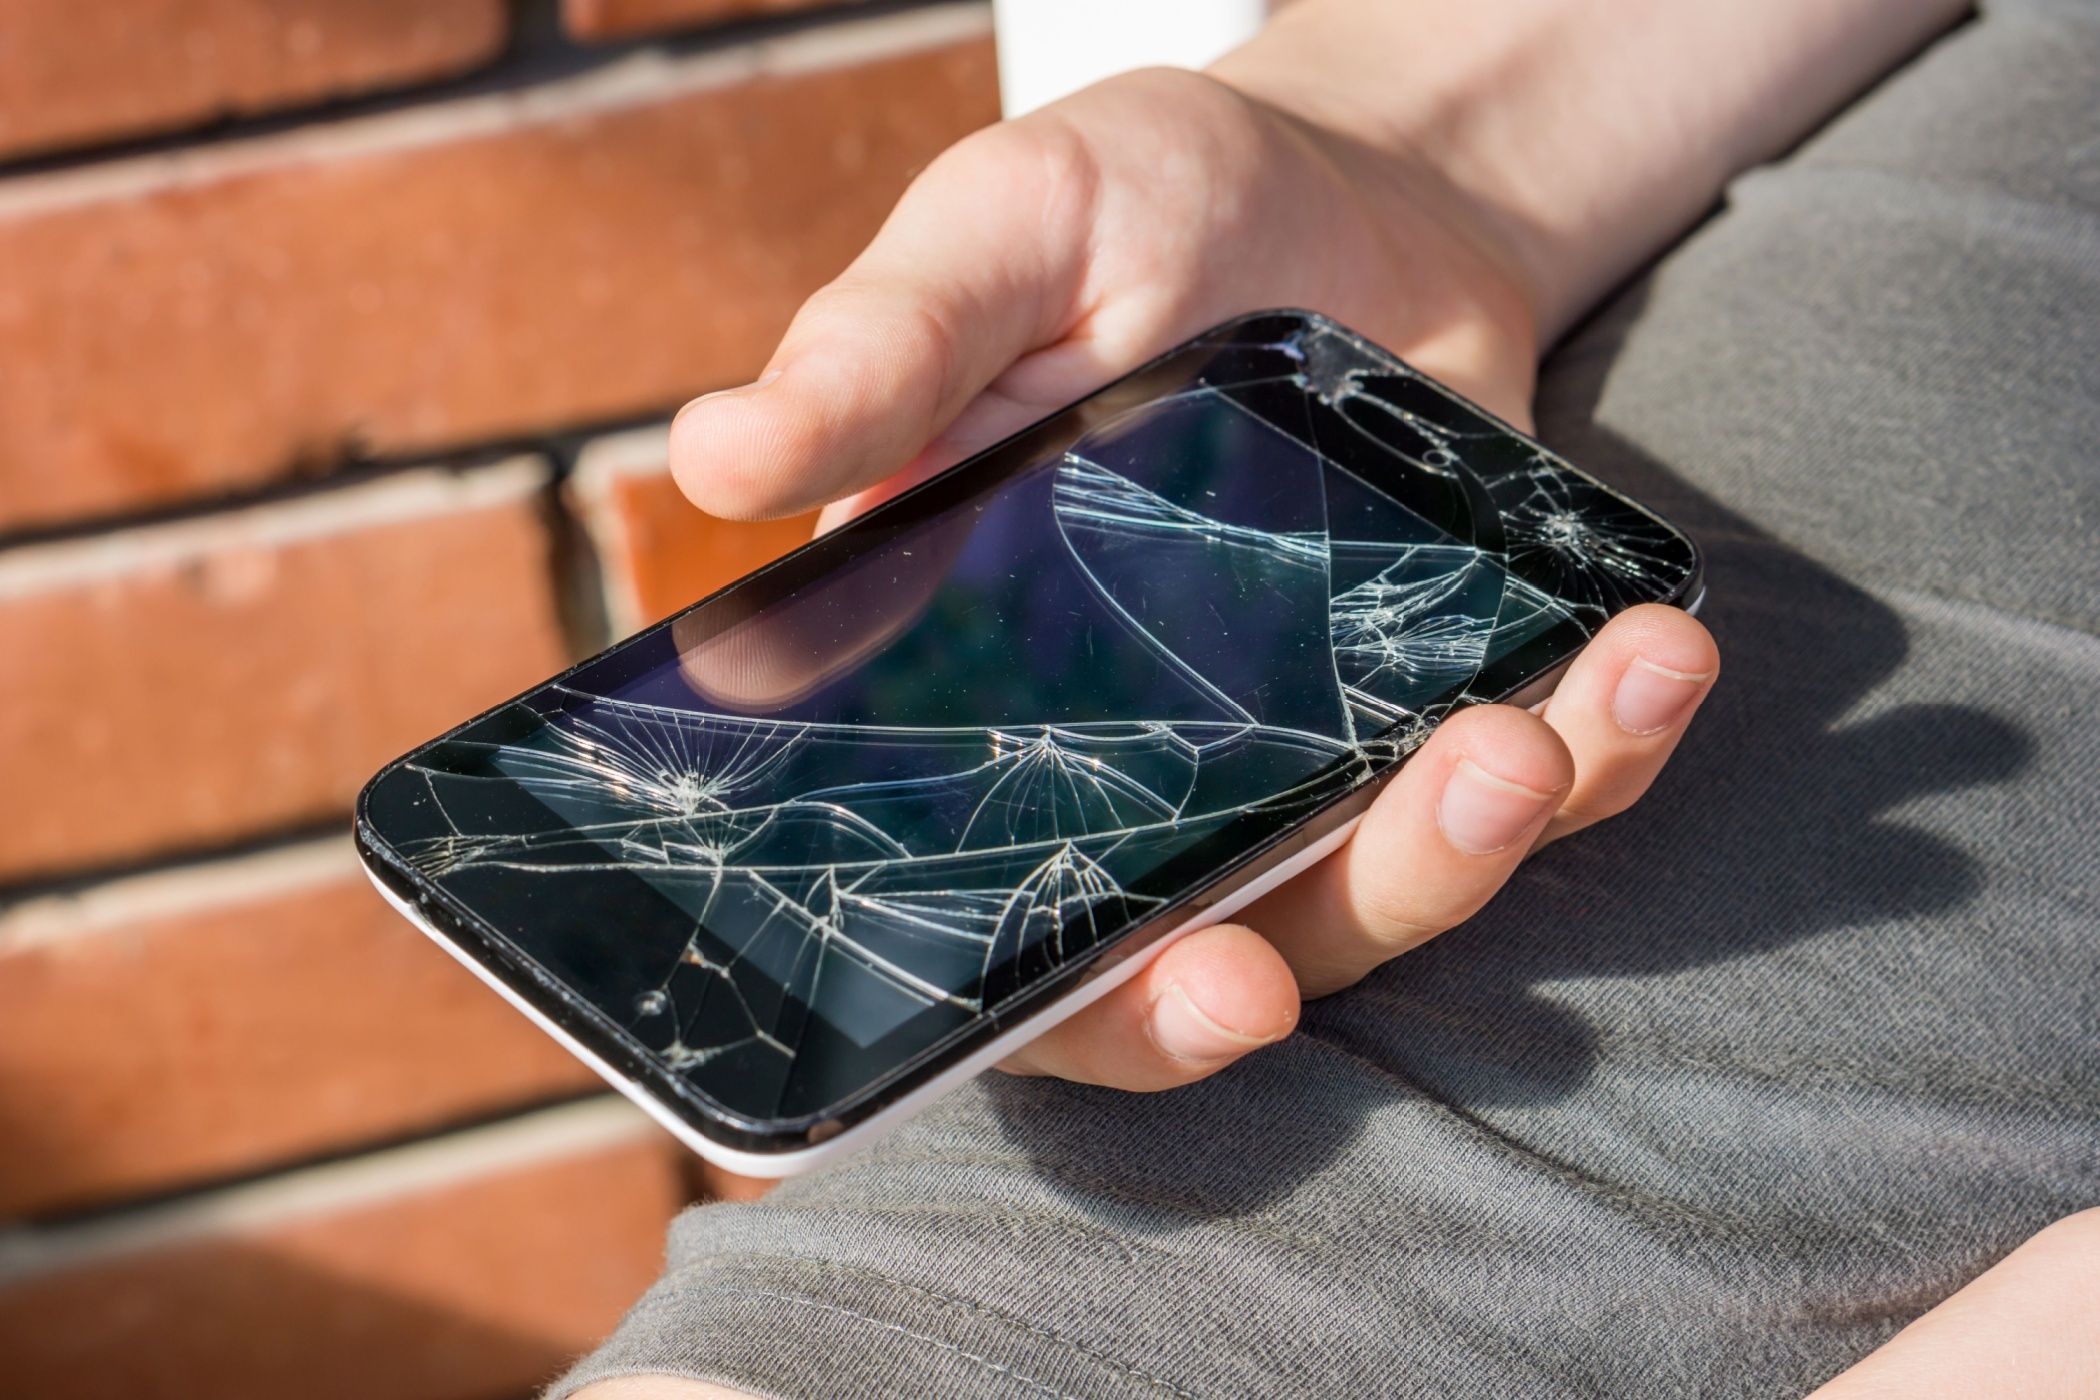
<point>1421,140</point>
<point>1426,193</point>
<point>1571,140</point>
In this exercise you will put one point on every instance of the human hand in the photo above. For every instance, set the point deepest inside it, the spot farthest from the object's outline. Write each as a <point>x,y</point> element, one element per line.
<point>1043,257</point>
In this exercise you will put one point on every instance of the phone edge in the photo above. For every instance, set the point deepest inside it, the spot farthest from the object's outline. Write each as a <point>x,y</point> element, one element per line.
<point>786,1162</point>
<point>797,1161</point>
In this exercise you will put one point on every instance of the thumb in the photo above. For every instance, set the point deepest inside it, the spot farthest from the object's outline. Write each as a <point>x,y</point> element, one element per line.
<point>980,262</point>
<point>1210,998</point>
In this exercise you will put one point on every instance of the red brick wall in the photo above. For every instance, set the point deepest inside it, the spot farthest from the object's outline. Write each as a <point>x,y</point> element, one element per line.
<point>336,343</point>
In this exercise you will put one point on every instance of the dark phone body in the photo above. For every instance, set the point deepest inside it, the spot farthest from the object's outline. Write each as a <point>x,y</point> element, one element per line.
<point>797,853</point>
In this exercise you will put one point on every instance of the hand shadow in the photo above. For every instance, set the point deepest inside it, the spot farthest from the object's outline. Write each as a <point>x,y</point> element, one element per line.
<point>1777,821</point>
<point>759,653</point>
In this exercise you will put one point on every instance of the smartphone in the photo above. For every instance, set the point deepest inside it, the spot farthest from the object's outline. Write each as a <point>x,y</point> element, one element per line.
<point>787,865</point>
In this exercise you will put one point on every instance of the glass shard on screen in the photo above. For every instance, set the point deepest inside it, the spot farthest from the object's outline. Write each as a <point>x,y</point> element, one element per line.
<point>890,801</point>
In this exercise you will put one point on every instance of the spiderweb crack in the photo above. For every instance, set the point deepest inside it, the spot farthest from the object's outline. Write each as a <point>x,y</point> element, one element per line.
<point>867,872</point>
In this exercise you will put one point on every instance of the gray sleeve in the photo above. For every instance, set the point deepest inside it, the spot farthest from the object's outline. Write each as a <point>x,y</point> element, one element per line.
<point>1712,1100</point>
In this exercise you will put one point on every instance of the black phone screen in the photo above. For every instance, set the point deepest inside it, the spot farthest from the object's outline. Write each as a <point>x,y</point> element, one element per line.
<point>858,809</point>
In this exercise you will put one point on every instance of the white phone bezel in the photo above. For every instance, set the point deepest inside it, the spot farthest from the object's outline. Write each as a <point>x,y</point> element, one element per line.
<point>665,1109</point>
<point>795,1161</point>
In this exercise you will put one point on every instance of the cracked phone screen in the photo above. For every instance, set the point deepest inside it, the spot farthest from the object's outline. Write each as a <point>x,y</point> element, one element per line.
<point>868,805</point>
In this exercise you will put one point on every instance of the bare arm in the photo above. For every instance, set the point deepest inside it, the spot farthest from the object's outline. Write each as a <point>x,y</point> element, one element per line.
<point>1580,136</point>
<point>2027,1329</point>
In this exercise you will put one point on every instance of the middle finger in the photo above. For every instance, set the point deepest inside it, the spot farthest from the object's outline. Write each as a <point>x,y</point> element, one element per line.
<point>1445,834</point>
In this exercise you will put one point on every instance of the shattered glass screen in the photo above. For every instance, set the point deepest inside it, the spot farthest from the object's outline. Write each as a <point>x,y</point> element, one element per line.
<point>835,819</point>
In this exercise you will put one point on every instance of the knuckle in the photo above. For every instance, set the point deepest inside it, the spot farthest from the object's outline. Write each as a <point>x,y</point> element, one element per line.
<point>1391,925</point>
<point>1512,726</point>
<point>1576,816</point>
<point>932,332</point>
<point>1670,636</point>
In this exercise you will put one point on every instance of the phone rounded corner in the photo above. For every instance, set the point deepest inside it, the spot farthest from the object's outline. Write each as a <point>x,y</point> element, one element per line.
<point>367,837</point>
<point>737,1146</point>
<point>777,1148</point>
<point>1303,314</point>
<point>1313,316</point>
<point>1692,594</point>
<point>784,1165</point>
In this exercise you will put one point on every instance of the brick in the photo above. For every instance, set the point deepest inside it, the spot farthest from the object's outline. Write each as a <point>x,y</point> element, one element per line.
<point>73,73</point>
<point>594,21</point>
<point>470,1266</point>
<point>656,551</point>
<point>597,248</point>
<point>177,685</point>
<point>212,1021</point>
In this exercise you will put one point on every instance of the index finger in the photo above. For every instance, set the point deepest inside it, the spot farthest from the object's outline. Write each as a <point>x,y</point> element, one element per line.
<point>980,262</point>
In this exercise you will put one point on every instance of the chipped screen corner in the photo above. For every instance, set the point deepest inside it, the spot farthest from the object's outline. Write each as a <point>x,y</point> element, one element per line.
<point>793,850</point>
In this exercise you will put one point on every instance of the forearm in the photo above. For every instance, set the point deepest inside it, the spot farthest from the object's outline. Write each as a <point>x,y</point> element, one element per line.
<point>1576,136</point>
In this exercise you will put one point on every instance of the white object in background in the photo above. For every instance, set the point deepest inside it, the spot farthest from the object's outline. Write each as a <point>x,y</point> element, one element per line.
<point>1048,48</point>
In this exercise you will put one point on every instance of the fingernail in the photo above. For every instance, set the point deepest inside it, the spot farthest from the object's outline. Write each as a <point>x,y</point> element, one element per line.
<point>1183,1032</point>
<point>754,386</point>
<point>1480,812</point>
<point>1651,698</point>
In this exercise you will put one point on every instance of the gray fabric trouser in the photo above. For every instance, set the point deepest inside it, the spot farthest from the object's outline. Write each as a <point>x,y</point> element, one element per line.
<point>1711,1100</point>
